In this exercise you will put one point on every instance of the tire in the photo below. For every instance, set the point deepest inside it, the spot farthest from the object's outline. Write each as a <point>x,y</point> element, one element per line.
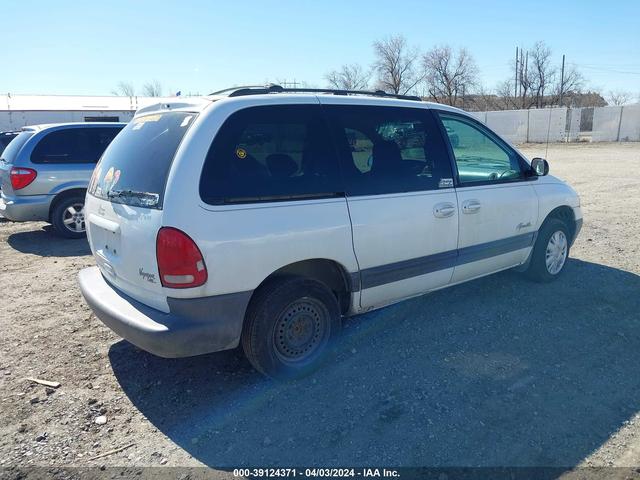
<point>549,245</point>
<point>62,214</point>
<point>289,326</point>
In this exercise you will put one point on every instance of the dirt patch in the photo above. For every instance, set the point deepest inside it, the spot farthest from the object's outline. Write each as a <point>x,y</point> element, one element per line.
<point>494,372</point>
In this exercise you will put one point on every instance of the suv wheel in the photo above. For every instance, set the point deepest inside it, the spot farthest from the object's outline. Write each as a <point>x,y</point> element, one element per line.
<point>289,325</point>
<point>550,252</point>
<point>67,217</point>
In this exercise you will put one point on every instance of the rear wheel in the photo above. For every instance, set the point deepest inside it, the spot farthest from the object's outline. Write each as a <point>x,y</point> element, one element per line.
<point>550,252</point>
<point>289,325</point>
<point>68,219</point>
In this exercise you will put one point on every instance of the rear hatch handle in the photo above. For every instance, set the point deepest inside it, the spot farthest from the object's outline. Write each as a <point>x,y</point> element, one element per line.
<point>101,222</point>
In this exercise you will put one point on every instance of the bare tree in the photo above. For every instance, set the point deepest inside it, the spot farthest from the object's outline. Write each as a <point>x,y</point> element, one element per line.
<point>570,86</point>
<point>396,65</point>
<point>619,97</point>
<point>541,72</point>
<point>539,83</point>
<point>448,76</point>
<point>349,77</point>
<point>526,82</point>
<point>152,89</point>
<point>125,89</point>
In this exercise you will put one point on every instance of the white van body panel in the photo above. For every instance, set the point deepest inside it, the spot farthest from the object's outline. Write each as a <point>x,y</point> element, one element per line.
<point>552,193</point>
<point>504,211</point>
<point>394,228</point>
<point>123,241</point>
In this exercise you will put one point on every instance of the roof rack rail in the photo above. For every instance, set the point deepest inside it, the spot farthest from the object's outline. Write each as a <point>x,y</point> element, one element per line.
<point>231,89</point>
<point>273,88</point>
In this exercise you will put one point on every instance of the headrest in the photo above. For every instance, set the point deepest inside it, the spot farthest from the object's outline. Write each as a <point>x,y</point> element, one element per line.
<point>281,165</point>
<point>386,155</point>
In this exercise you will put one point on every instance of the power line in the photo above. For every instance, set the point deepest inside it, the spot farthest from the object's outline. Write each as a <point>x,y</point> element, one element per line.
<point>601,69</point>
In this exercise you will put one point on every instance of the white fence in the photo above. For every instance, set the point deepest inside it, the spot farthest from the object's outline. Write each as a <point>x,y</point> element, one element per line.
<point>600,124</point>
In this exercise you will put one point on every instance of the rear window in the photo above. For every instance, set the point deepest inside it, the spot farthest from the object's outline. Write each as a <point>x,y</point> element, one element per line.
<point>11,151</point>
<point>74,145</point>
<point>134,169</point>
<point>271,153</point>
<point>5,139</point>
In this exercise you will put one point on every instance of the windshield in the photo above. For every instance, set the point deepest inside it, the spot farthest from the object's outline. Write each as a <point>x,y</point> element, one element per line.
<point>134,168</point>
<point>11,152</point>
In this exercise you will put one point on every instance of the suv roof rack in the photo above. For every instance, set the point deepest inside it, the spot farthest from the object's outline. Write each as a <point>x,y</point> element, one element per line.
<point>273,88</point>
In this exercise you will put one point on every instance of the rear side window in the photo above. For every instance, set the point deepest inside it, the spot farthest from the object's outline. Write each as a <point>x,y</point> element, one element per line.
<point>73,145</point>
<point>11,151</point>
<point>271,153</point>
<point>389,149</point>
<point>134,169</point>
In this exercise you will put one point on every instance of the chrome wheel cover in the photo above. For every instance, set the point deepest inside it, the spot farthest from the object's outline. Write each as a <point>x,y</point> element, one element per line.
<point>556,253</point>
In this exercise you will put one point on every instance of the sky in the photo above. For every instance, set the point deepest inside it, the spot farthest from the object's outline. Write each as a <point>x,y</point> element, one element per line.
<point>197,46</point>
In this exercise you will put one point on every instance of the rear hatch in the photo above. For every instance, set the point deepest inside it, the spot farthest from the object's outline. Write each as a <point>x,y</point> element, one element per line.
<point>123,209</point>
<point>7,160</point>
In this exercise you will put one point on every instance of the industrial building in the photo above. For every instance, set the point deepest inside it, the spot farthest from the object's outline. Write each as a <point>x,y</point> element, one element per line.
<point>17,111</point>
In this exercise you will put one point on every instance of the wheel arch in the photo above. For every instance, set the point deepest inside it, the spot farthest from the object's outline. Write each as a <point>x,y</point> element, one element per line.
<point>334,275</point>
<point>565,214</point>
<point>71,192</point>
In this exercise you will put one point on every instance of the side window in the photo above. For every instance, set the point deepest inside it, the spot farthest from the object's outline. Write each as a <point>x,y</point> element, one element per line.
<point>73,145</point>
<point>271,153</point>
<point>479,158</point>
<point>98,141</point>
<point>389,149</point>
<point>56,147</point>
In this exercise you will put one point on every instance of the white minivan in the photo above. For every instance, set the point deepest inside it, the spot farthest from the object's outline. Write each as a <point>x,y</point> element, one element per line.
<point>263,216</point>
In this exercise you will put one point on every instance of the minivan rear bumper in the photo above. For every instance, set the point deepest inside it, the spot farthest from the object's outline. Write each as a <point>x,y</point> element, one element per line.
<point>192,327</point>
<point>25,208</point>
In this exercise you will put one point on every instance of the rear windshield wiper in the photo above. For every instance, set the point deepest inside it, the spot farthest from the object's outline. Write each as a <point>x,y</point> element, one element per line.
<point>144,198</point>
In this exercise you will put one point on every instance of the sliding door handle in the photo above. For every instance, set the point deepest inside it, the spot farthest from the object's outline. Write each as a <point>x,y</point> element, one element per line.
<point>470,206</point>
<point>444,210</point>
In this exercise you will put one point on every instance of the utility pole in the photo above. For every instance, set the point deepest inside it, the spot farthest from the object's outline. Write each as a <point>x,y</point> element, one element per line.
<point>515,85</point>
<point>522,69</point>
<point>526,75</point>
<point>562,81</point>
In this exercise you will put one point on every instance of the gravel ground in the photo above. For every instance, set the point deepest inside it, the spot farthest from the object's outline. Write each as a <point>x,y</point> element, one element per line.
<point>495,372</point>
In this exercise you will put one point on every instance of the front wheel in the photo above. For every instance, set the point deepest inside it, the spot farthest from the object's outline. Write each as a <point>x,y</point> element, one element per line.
<point>289,326</point>
<point>550,252</point>
<point>67,217</point>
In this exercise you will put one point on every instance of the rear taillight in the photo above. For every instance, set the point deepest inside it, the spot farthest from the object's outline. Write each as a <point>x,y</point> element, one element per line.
<point>180,262</point>
<point>21,177</point>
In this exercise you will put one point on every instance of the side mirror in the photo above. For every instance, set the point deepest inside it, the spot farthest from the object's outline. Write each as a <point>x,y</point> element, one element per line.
<point>540,166</point>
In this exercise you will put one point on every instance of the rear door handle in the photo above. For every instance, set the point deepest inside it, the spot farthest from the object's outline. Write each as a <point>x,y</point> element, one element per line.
<point>471,206</point>
<point>444,210</point>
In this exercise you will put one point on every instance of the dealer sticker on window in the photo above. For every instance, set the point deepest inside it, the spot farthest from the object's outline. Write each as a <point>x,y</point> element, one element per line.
<point>445,183</point>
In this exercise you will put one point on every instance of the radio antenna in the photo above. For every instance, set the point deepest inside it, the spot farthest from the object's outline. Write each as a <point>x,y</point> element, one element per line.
<point>546,152</point>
